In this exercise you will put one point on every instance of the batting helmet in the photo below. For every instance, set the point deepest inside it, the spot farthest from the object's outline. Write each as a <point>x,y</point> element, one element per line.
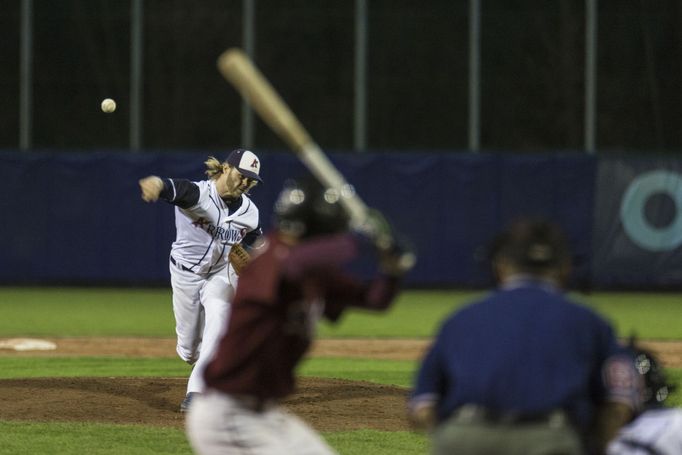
<point>306,209</point>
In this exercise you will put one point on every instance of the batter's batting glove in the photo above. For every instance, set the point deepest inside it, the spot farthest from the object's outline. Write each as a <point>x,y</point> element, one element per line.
<point>396,255</point>
<point>399,258</point>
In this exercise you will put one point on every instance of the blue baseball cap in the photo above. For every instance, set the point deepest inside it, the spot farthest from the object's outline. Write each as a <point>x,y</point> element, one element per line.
<point>246,162</point>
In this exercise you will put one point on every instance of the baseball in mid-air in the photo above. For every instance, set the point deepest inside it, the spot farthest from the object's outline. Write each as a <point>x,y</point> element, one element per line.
<point>108,105</point>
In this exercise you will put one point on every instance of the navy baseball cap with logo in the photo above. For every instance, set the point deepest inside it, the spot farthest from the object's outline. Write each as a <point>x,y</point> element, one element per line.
<point>246,162</point>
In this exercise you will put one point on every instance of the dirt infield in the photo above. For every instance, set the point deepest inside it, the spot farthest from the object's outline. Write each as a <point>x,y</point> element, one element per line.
<point>670,352</point>
<point>328,405</point>
<point>394,349</point>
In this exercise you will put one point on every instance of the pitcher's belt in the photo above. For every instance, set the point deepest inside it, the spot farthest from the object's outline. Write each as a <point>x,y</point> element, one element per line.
<point>180,266</point>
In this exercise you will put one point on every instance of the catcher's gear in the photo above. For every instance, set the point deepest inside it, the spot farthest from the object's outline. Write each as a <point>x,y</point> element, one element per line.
<point>655,384</point>
<point>239,257</point>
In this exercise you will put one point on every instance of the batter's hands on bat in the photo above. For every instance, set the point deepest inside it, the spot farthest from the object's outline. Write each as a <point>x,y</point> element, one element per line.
<point>151,188</point>
<point>398,260</point>
<point>396,256</point>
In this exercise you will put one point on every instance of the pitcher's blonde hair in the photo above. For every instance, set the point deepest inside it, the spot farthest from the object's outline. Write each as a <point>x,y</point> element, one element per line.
<point>214,168</point>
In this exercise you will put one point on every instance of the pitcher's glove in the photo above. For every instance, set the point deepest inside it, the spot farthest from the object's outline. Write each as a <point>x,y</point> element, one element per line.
<point>238,257</point>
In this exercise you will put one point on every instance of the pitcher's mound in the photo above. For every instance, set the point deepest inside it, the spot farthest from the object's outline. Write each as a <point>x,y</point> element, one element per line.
<point>326,404</point>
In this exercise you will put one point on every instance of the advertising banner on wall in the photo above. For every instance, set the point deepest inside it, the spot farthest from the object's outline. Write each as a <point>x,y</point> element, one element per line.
<point>638,223</point>
<point>80,217</point>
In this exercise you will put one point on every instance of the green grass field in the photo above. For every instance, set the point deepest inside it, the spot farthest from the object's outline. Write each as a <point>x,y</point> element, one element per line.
<point>61,312</point>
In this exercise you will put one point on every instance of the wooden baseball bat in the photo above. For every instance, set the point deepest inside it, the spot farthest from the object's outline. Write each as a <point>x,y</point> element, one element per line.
<point>238,69</point>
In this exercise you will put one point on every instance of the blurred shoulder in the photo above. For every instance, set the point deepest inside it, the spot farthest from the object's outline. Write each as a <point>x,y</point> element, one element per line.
<point>471,308</point>
<point>581,306</point>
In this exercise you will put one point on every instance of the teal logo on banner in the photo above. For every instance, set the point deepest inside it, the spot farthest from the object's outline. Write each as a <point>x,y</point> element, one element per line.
<point>633,215</point>
<point>637,235</point>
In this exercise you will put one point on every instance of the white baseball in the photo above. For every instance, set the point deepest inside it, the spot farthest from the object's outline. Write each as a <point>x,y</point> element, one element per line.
<point>108,105</point>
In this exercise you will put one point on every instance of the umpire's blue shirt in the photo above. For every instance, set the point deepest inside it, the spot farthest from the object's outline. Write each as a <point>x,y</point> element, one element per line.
<point>525,348</point>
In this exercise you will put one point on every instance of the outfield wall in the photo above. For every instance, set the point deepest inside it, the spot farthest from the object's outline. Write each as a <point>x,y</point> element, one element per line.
<point>78,217</point>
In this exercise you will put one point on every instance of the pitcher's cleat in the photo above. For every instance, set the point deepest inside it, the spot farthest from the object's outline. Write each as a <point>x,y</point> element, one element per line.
<point>184,406</point>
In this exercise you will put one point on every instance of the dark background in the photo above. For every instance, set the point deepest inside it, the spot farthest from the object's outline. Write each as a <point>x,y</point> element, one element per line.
<point>532,70</point>
<point>83,222</point>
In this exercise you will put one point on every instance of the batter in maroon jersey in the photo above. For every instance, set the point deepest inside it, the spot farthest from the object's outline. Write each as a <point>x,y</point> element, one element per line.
<point>299,277</point>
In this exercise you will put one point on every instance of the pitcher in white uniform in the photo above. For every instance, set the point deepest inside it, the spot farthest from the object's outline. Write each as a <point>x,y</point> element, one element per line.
<point>210,217</point>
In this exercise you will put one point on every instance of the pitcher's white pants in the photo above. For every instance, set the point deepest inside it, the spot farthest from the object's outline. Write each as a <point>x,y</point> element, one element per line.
<point>219,424</point>
<point>201,305</point>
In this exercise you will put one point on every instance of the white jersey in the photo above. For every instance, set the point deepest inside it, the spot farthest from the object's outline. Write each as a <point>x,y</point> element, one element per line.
<point>655,432</point>
<point>206,231</point>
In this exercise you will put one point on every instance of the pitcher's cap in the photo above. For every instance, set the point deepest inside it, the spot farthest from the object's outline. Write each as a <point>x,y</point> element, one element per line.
<point>246,162</point>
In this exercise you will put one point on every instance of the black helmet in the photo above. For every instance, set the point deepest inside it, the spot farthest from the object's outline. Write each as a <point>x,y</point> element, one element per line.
<point>533,245</point>
<point>655,387</point>
<point>306,209</point>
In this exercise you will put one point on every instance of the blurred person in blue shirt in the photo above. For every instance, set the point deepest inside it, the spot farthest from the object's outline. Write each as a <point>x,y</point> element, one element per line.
<point>525,370</point>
